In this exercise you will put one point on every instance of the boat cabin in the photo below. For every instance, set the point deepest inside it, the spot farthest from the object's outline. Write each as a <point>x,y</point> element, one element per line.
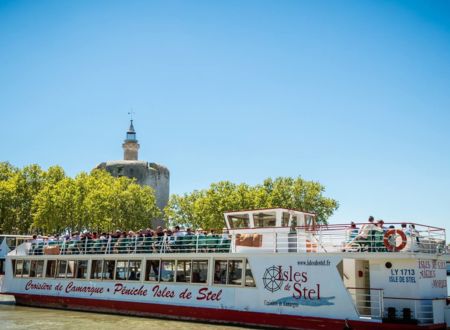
<point>266,230</point>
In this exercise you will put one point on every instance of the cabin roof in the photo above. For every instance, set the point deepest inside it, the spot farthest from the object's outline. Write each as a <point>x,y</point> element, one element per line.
<point>268,209</point>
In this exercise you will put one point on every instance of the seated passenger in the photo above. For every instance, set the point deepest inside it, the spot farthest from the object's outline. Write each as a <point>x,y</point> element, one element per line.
<point>366,230</point>
<point>351,232</point>
<point>380,226</point>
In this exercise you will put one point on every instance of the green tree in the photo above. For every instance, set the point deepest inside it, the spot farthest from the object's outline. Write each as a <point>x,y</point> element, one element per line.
<point>7,171</point>
<point>17,191</point>
<point>95,201</point>
<point>205,208</point>
<point>7,211</point>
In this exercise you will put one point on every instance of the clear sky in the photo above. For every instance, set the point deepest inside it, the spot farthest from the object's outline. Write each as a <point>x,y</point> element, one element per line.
<point>353,94</point>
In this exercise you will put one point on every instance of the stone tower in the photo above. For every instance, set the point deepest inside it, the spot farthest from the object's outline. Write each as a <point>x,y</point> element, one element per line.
<point>130,145</point>
<point>145,173</point>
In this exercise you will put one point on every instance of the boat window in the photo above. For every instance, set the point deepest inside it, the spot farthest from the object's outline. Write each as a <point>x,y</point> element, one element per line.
<point>167,270</point>
<point>183,271</point>
<point>33,268</point>
<point>309,220</point>
<point>39,270</point>
<point>121,269</point>
<point>61,268</point>
<point>20,241</point>
<point>235,272</point>
<point>71,268</point>
<point>293,223</point>
<point>199,271</point>
<point>239,221</point>
<point>134,270</point>
<point>152,270</point>
<point>220,272</point>
<point>108,269</point>
<point>19,267</point>
<point>1,239</point>
<point>265,219</point>
<point>249,280</point>
<point>285,219</point>
<point>81,269</point>
<point>51,268</point>
<point>26,268</point>
<point>11,242</point>
<point>96,269</point>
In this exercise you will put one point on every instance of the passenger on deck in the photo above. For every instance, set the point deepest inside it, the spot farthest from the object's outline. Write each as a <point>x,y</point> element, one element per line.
<point>351,232</point>
<point>380,226</point>
<point>413,231</point>
<point>159,231</point>
<point>177,233</point>
<point>404,229</point>
<point>365,237</point>
<point>366,229</point>
<point>414,234</point>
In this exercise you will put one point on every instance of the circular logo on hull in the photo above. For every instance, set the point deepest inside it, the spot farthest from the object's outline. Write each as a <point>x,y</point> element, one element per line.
<point>272,279</point>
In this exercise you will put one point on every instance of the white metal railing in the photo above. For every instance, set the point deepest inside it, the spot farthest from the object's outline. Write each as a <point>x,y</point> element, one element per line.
<point>418,310</point>
<point>128,245</point>
<point>342,238</point>
<point>338,238</point>
<point>368,301</point>
<point>320,239</point>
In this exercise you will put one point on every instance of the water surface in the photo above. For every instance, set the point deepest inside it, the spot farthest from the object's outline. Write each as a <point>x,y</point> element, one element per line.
<point>18,317</point>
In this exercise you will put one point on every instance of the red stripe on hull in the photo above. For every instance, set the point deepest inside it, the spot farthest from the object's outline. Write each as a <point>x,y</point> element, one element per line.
<point>211,315</point>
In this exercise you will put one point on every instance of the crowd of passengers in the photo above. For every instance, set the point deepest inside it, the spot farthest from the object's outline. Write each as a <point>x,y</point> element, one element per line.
<point>371,234</point>
<point>141,241</point>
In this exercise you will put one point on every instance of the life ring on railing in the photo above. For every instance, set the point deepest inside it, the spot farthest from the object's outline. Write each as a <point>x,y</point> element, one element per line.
<point>387,240</point>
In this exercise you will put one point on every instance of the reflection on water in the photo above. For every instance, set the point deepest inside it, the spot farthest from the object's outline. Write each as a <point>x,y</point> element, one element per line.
<point>18,317</point>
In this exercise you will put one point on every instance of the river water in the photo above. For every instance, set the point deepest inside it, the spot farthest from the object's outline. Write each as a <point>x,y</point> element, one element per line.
<point>21,318</point>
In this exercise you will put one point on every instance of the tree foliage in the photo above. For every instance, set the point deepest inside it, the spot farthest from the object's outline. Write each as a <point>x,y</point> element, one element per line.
<point>204,208</point>
<point>17,191</point>
<point>50,202</point>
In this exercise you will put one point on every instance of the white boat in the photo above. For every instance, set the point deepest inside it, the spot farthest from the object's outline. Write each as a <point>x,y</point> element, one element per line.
<point>275,268</point>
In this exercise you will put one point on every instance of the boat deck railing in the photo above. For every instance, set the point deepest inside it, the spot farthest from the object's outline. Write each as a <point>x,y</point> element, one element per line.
<point>342,238</point>
<point>320,239</point>
<point>132,245</point>
<point>413,310</point>
<point>368,302</point>
<point>372,303</point>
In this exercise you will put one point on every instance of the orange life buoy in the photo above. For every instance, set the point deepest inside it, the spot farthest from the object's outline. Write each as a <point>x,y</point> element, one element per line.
<point>394,247</point>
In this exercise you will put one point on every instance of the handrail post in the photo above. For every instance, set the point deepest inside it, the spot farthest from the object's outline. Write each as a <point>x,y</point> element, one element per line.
<point>274,242</point>
<point>108,245</point>
<point>320,239</point>
<point>381,303</point>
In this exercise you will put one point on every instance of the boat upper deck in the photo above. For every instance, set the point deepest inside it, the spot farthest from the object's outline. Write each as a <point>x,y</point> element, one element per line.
<point>259,231</point>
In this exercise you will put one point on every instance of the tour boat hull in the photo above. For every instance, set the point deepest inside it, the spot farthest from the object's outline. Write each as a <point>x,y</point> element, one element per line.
<point>210,315</point>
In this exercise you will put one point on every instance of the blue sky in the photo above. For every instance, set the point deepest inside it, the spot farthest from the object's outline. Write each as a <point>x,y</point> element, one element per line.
<point>353,94</point>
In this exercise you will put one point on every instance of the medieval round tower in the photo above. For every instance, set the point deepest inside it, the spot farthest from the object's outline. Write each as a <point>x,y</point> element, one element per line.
<point>145,173</point>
